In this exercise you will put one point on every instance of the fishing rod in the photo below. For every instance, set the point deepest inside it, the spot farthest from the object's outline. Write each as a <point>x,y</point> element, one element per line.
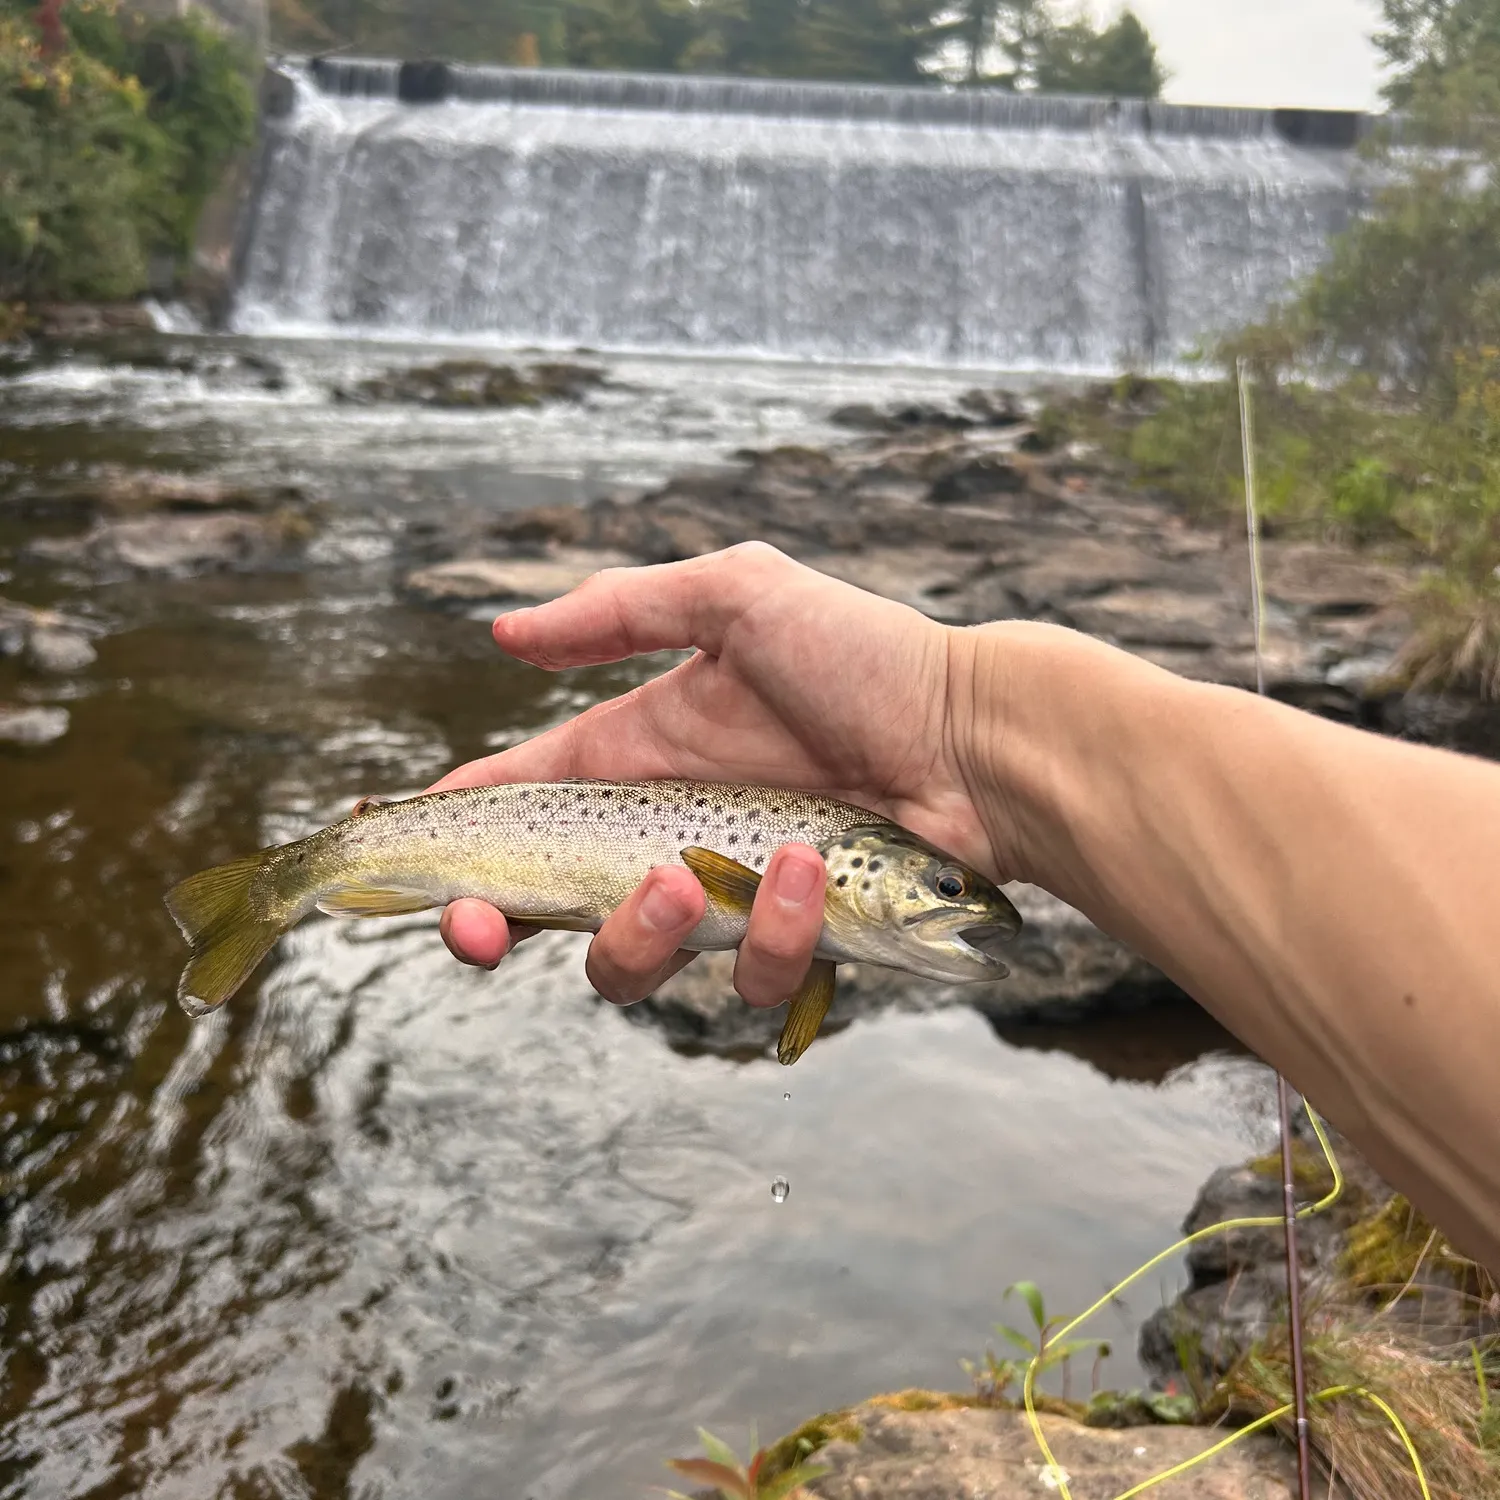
<point>1283,1090</point>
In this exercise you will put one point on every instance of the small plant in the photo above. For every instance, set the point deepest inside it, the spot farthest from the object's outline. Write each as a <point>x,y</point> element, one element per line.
<point>1487,1423</point>
<point>996,1375</point>
<point>736,1481</point>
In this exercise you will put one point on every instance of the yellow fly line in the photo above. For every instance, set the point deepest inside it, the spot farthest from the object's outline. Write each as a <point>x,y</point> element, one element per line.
<point>1266,1221</point>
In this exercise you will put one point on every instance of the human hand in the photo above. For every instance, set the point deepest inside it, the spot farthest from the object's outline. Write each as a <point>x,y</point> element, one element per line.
<point>798,680</point>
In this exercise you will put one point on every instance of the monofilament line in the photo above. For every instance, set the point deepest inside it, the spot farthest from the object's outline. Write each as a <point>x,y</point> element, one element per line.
<point>1283,1093</point>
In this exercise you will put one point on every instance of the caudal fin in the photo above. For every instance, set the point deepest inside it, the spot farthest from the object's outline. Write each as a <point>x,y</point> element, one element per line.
<point>228,937</point>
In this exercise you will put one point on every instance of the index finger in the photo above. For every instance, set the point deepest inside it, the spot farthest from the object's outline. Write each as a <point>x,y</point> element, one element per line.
<point>624,612</point>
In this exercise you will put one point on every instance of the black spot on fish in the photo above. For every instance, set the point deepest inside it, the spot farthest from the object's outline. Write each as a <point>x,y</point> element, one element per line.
<point>753,813</point>
<point>730,818</point>
<point>803,823</point>
<point>864,885</point>
<point>874,866</point>
<point>301,859</point>
<point>607,792</point>
<point>643,833</point>
<point>734,838</point>
<point>432,834</point>
<point>755,838</point>
<point>842,880</point>
<point>531,828</point>
<point>857,861</point>
<point>525,796</point>
<point>847,844</point>
<point>700,802</point>
<point>911,895</point>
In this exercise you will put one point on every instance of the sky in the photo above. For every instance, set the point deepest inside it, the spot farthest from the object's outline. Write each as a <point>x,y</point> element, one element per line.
<point>1309,53</point>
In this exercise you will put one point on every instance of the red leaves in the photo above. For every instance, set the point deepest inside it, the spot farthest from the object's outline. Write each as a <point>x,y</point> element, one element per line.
<point>49,23</point>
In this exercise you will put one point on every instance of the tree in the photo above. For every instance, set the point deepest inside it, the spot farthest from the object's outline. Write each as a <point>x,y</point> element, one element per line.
<point>1119,61</point>
<point>1424,42</point>
<point>1046,55</point>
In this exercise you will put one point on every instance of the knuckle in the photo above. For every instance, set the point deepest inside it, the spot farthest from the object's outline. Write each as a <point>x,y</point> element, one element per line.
<point>756,553</point>
<point>780,947</point>
<point>617,985</point>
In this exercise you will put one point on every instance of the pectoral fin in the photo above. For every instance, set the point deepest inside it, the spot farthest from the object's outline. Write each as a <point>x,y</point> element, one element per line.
<point>354,899</point>
<point>725,880</point>
<point>805,1012</point>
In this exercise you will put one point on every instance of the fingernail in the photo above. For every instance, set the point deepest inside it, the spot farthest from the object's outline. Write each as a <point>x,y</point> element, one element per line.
<point>795,879</point>
<point>663,909</point>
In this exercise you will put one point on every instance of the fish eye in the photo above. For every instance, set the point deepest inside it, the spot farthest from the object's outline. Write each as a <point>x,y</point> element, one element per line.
<point>952,886</point>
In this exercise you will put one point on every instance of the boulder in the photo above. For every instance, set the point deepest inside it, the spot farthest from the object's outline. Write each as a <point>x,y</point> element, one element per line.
<point>181,544</point>
<point>475,580</point>
<point>1062,969</point>
<point>46,639</point>
<point>980,477</point>
<point>129,492</point>
<point>465,383</point>
<point>28,724</point>
<point>55,650</point>
<point>964,1453</point>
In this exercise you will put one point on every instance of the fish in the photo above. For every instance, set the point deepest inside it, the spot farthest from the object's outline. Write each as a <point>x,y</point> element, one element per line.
<point>565,854</point>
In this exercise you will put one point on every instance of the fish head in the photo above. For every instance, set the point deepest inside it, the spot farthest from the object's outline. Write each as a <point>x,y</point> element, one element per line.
<point>896,900</point>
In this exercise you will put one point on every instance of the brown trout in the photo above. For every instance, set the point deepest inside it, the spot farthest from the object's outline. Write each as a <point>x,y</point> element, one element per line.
<point>566,854</point>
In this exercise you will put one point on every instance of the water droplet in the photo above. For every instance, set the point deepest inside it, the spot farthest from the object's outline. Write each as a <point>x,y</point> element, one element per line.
<point>787,1097</point>
<point>780,1188</point>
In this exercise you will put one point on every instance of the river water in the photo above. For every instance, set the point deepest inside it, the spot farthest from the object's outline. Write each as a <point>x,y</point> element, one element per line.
<point>386,1224</point>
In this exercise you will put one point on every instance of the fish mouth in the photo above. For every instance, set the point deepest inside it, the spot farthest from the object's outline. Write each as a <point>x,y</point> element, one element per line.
<point>985,939</point>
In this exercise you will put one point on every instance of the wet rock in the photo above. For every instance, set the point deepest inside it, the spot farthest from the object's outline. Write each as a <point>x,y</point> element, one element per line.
<point>1081,567</point>
<point>26,724</point>
<point>1238,1289</point>
<point>1062,969</point>
<point>53,650</point>
<point>46,639</point>
<point>927,578</point>
<point>902,416</point>
<point>964,1453</point>
<point>476,580</point>
<point>129,492</point>
<point>978,478</point>
<point>994,408</point>
<point>181,544</point>
<point>569,525</point>
<point>64,320</point>
<point>474,383</point>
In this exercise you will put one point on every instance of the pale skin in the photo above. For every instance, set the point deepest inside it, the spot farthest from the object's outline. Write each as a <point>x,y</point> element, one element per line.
<point>1331,896</point>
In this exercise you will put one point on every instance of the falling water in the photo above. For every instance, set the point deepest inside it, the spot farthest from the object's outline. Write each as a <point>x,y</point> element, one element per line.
<point>809,221</point>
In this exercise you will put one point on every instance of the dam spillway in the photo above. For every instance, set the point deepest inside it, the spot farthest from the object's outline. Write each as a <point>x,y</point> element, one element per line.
<point>709,216</point>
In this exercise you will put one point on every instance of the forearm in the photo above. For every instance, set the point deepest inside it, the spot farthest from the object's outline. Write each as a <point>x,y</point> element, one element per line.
<point>1333,897</point>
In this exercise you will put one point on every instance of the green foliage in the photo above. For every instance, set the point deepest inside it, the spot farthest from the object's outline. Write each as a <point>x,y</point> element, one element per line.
<point>1424,42</point>
<point>109,149</point>
<point>996,1376</point>
<point>760,1479</point>
<point>1046,54</point>
<point>1120,61</point>
<point>889,41</point>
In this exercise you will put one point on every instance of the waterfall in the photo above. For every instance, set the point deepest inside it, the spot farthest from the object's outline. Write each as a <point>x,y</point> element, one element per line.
<point>816,221</point>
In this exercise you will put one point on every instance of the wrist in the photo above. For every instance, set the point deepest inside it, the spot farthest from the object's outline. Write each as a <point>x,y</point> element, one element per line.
<point>1049,727</point>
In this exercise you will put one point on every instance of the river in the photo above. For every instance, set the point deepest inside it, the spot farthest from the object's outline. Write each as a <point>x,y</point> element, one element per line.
<point>386,1224</point>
